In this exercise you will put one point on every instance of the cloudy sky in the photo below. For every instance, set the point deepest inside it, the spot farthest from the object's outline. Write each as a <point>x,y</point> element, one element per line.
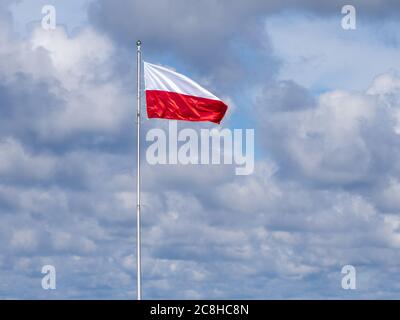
<point>325,106</point>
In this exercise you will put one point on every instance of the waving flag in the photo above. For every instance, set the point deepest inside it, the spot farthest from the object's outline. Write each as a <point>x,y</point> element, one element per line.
<point>171,95</point>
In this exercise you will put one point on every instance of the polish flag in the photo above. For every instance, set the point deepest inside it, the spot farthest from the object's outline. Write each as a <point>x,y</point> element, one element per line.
<point>170,95</point>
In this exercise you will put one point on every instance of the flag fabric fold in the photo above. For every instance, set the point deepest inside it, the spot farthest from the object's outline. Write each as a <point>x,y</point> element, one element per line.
<point>170,95</point>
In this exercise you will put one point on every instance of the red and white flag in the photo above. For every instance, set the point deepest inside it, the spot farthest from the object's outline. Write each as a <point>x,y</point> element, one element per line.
<point>171,95</point>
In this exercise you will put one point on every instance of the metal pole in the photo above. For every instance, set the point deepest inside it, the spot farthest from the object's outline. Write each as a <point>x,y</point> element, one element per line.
<point>138,64</point>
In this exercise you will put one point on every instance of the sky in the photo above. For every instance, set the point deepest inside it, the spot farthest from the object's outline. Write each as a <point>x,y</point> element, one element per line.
<point>324,103</point>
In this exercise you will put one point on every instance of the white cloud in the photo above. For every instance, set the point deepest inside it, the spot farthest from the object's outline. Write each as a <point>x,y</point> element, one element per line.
<point>82,94</point>
<point>15,162</point>
<point>333,142</point>
<point>82,57</point>
<point>385,84</point>
<point>25,239</point>
<point>284,232</point>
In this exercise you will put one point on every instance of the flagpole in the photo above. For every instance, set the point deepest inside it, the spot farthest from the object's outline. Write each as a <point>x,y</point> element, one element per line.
<point>138,244</point>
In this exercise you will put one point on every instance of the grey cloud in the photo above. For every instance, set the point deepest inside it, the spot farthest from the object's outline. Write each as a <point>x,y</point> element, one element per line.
<point>284,232</point>
<point>204,33</point>
<point>203,29</point>
<point>223,41</point>
<point>289,236</point>
<point>347,140</point>
<point>39,106</point>
<point>285,96</point>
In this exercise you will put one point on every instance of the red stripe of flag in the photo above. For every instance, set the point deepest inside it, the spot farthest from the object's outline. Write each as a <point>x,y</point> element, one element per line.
<point>178,106</point>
